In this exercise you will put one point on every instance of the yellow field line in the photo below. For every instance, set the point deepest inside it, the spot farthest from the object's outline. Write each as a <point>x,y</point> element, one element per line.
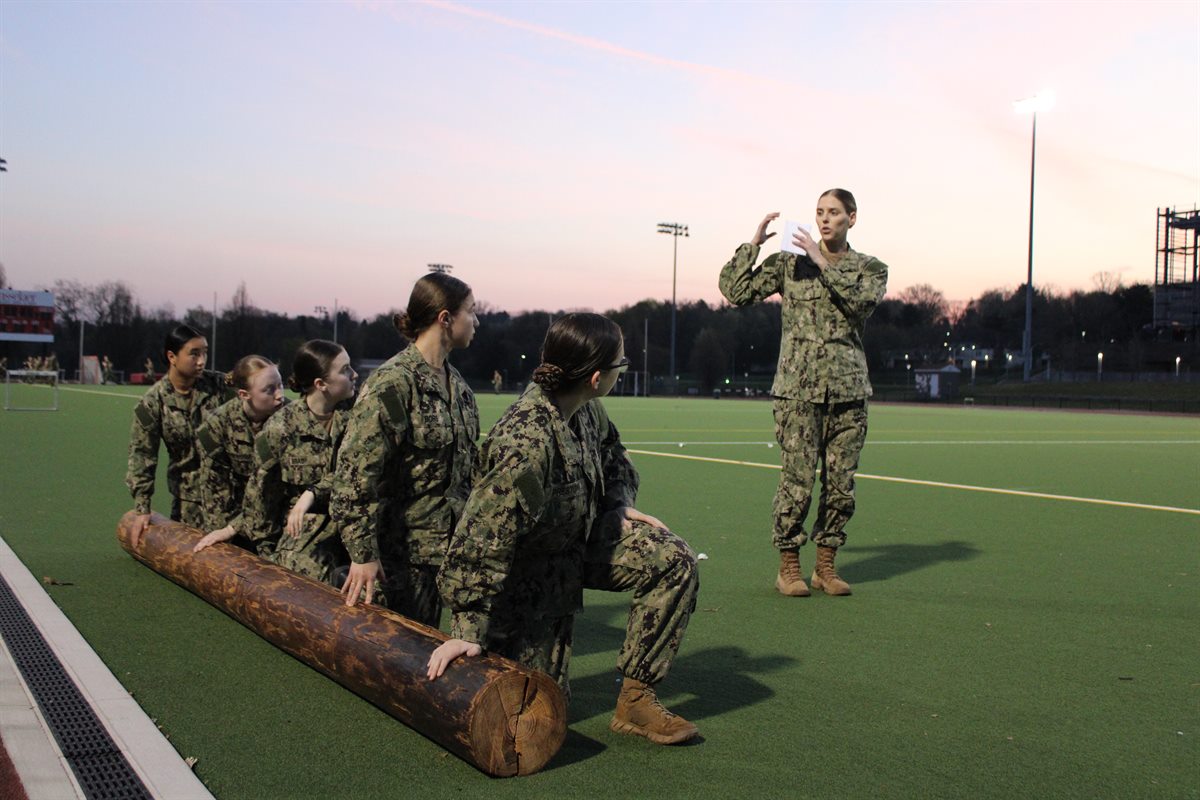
<point>941,485</point>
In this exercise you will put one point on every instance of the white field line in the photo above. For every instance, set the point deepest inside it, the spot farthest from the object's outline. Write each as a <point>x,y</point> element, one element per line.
<point>953,441</point>
<point>941,485</point>
<point>100,392</point>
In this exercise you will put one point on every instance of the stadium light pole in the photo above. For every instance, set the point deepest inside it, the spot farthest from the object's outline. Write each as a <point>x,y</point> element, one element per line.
<point>676,230</point>
<point>1042,101</point>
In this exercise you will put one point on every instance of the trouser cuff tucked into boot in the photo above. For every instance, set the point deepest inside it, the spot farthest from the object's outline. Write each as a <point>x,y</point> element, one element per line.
<point>640,713</point>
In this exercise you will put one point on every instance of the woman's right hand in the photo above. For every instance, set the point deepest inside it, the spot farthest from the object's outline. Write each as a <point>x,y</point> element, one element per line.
<point>140,523</point>
<point>362,578</point>
<point>761,234</point>
<point>447,651</point>
<point>295,519</point>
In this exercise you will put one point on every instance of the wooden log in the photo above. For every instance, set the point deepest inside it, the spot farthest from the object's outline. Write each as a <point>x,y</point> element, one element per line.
<point>501,716</point>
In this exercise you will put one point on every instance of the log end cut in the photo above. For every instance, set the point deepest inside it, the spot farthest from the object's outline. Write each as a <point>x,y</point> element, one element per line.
<point>518,723</point>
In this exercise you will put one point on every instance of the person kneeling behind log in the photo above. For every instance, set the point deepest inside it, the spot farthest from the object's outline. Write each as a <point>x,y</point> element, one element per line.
<point>551,514</point>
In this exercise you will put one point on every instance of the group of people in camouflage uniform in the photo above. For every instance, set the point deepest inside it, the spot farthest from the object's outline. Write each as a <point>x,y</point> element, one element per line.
<point>392,490</point>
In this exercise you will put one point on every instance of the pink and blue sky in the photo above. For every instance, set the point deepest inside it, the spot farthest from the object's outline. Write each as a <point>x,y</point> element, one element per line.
<point>324,149</point>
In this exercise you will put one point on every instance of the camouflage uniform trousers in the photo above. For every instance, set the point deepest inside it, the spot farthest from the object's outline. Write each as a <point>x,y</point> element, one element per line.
<point>315,555</point>
<point>545,645</point>
<point>660,569</point>
<point>411,590</point>
<point>832,434</point>
<point>189,512</point>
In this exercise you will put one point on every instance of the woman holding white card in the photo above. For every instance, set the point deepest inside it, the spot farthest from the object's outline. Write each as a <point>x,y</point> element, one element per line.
<point>821,385</point>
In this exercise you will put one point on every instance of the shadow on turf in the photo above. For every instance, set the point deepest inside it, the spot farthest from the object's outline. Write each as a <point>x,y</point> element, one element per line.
<point>889,560</point>
<point>713,681</point>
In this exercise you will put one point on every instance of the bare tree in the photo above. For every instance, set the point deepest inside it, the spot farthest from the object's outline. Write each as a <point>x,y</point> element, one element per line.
<point>241,305</point>
<point>110,302</point>
<point>1107,282</point>
<point>70,300</point>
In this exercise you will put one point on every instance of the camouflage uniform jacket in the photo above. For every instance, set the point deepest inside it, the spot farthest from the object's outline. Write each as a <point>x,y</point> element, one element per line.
<point>226,439</point>
<point>293,453</point>
<point>163,415</point>
<point>516,557</point>
<point>620,478</point>
<point>821,357</point>
<point>404,468</point>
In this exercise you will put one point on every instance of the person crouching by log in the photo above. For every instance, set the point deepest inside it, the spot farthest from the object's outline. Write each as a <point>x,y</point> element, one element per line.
<point>404,468</point>
<point>226,442</point>
<point>551,513</point>
<point>170,413</point>
<point>287,498</point>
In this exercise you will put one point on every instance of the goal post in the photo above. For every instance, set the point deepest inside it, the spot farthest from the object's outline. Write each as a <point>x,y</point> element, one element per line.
<point>28,384</point>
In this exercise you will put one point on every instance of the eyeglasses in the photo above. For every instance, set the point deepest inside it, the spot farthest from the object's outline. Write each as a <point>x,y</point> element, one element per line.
<point>622,365</point>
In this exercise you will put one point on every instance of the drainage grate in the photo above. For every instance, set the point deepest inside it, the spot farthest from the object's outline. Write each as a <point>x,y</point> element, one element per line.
<point>99,766</point>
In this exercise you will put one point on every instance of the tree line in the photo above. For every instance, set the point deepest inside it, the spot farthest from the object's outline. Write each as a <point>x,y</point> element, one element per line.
<point>716,344</point>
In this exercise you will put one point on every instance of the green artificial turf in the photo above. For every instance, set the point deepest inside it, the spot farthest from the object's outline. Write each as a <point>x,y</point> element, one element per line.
<point>995,646</point>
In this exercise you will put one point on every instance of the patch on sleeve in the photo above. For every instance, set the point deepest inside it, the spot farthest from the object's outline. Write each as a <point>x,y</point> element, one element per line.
<point>208,442</point>
<point>144,417</point>
<point>394,406</point>
<point>530,492</point>
<point>262,448</point>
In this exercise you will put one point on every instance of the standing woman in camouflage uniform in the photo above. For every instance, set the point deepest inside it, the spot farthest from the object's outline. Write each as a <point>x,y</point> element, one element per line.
<point>404,467</point>
<point>227,447</point>
<point>169,413</point>
<point>551,514</point>
<point>821,385</point>
<point>287,499</point>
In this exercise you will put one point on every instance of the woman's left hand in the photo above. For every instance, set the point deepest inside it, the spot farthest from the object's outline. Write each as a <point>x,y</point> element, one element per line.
<point>295,520</point>
<point>811,247</point>
<point>631,514</point>
<point>448,651</point>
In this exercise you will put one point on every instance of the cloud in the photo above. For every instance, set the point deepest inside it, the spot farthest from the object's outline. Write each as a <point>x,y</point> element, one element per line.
<point>590,43</point>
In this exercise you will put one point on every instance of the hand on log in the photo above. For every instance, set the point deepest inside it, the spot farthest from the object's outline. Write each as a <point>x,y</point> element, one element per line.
<point>449,650</point>
<point>362,577</point>
<point>501,716</point>
<point>137,527</point>
<point>220,535</point>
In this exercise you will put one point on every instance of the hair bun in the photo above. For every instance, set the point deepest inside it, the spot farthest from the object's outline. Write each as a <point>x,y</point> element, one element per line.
<point>403,323</point>
<point>293,383</point>
<point>228,378</point>
<point>548,376</point>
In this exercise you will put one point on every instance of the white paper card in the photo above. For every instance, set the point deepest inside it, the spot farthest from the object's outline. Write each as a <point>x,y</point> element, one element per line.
<point>789,230</point>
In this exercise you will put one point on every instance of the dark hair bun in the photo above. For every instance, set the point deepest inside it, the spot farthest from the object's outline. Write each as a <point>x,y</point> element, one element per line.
<point>403,323</point>
<point>548,376</point>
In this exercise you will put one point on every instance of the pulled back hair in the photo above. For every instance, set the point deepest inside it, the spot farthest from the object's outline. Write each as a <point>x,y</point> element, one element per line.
<point>844,197</point>
<point>577,345</point>
<point>313,360</point>
<point>430,295</point>
<point>177,338</point>
<point>245,369</point>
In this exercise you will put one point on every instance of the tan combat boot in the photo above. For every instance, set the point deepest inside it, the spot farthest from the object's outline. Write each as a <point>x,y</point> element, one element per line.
<point>825,577</point>
<point>640,713</point>
<point>790,580</point>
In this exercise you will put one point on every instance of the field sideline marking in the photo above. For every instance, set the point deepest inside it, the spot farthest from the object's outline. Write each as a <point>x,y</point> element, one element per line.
<point>964,441</point>
<point>940,484</point>
<point>96,391</point>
